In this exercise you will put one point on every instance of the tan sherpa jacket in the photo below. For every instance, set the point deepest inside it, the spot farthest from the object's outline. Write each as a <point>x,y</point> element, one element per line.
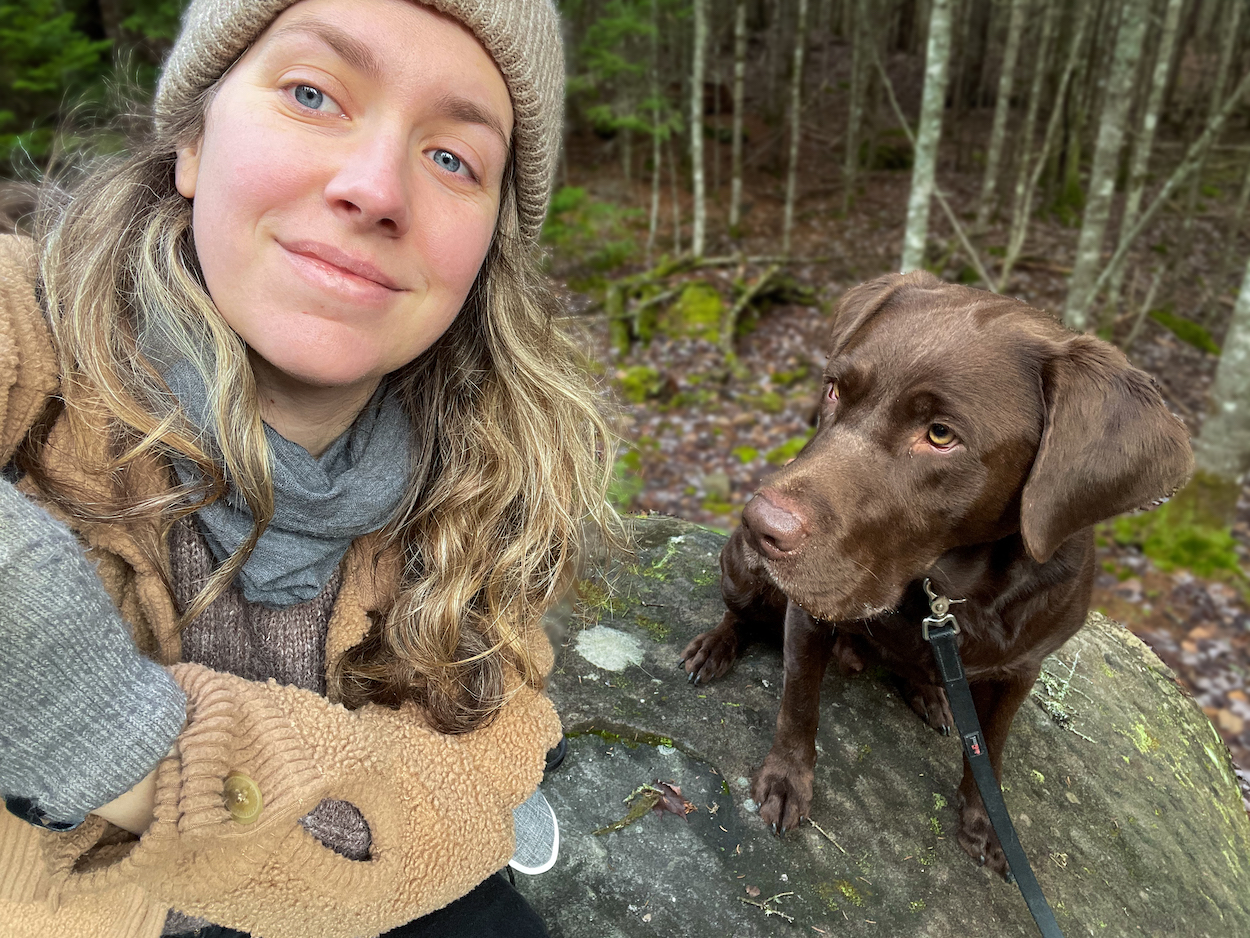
<point>439,807</point>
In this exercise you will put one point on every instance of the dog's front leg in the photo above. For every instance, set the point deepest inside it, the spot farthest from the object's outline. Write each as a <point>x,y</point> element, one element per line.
<point>996,703</point>
<point>783,784</point>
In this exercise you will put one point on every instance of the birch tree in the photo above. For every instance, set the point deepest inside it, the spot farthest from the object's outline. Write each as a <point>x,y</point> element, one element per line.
<point>924,169</point>
<point>1116,104</point>
<point>696,126</point>
<point>740,71</point>
<point>1028,177</point>
<point>859,72</point>
<point>1189,163</point>
<point>1228,31</point>
<point>1002,109</point>
<point>1222,450</point>
<point>796,121</point>
<point>1145,138</point>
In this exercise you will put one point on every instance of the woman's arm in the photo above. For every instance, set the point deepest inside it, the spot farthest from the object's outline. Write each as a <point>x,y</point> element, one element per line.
<point>83,714</point>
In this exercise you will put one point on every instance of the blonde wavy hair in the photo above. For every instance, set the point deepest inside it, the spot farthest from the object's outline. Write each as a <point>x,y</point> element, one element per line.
<point>512,445</point>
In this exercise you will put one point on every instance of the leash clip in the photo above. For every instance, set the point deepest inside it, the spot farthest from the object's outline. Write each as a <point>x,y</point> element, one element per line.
<point>939,612</point>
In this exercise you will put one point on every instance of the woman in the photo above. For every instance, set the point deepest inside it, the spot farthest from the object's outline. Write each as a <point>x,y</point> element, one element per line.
<point>288,374</point>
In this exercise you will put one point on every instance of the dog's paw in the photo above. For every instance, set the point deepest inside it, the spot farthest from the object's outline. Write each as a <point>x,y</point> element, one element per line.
<point>930,703</point>
<point>710,654</point>
<point>783,790</point>
<point>977,837</point>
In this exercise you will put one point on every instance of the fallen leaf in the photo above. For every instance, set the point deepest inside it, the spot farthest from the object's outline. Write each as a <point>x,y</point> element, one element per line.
<point>753,891</point>
<point>647,917</point>
<point>670,800</point>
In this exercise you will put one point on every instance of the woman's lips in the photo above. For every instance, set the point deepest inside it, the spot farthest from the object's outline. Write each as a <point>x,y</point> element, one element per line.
<point>329,268</point>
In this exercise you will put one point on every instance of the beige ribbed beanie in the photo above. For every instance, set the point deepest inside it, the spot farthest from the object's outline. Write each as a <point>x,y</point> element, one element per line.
<point>522,36</point>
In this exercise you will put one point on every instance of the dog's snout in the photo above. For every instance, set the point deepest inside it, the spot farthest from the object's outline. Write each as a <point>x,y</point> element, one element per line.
<point>773,527</point>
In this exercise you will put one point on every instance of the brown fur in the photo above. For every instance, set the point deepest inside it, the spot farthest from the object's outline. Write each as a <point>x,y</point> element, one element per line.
<point>1054,431</point>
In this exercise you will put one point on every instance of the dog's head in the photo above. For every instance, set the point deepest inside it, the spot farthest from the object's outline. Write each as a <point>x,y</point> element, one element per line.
<point>952,417</point>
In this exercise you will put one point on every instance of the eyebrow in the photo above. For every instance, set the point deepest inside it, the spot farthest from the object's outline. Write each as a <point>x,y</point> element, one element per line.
<point>360,57</point>
<point>350,49</point>
<point>470,112</point>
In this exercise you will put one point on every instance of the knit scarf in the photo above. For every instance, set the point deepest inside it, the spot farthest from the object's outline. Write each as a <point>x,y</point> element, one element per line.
<point>321,504</point>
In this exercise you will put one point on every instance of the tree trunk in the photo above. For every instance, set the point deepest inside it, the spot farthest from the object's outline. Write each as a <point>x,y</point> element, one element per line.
<point>1002,109</point>
<point>653,222</point>
<point>1145,142</point>
<point>1222,449</point>
<point>696,126</point>
<point>924,171</point>
<point>1197,150</point>
<point>740,70</point>
<point>1026,178</point>
<point>855,117</point>
<point>1228,30</point>
<point>1106,162</point>
<point>796,121</point>
<point>675,174</point>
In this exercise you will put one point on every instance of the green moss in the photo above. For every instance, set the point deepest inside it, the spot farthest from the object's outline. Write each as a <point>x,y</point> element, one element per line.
<point>768,401</point>
<point>697,312</point>
<point>594,595</point>
<point>1186,330</point>
<point>1038,777</point>
<point>787,378</point>
<point>745,453</point>
<point>1182,533</point>
<point>849,892</point>
<point>939,801</point>
<point>789,449</point>
<point>658,631</point>
<point>864,752</point>
<point>627,483</point>
<point>638,383</point>
<point>1143,739</point>
<point>917,906</point>
<point>631,741</point>
<point>829,895</point>
<point>935,827</point>
<point>717,505</point>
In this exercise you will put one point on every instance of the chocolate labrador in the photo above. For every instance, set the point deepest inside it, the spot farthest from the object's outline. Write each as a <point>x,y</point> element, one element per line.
<point>965,437</point>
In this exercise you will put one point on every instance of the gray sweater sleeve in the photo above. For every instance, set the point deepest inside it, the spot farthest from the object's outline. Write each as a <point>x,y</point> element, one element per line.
<point>83,714</point>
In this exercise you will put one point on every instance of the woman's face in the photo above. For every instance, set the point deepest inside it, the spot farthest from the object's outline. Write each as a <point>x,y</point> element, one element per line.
<point>347,185</point>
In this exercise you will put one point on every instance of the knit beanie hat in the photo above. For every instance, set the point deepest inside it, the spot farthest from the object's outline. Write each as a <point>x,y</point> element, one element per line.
<point>522,36</point>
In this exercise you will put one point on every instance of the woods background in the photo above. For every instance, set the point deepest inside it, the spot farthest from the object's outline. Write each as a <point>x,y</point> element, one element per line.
<point>731,166</point>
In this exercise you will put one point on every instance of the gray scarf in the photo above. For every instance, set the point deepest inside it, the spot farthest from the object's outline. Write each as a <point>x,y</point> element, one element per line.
<point>321,504</point>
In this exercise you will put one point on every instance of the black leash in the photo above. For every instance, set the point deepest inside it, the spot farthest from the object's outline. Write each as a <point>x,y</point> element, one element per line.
<point>940,629</point>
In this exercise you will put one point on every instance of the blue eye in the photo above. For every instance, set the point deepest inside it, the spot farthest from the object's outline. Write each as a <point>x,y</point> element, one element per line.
<point>448,161</point>
<point>309,96</point>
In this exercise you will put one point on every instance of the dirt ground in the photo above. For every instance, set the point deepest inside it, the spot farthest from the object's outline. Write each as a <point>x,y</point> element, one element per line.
<point>703,442</point>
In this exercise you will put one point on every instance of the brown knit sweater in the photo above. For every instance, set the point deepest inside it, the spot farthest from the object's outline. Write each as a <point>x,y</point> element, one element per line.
<point>438,808</point>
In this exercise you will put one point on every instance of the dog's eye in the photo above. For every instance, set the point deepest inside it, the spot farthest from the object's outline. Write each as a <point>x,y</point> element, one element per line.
<point>941,435</point>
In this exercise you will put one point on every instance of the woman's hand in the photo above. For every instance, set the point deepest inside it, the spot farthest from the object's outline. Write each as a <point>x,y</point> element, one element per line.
<point>133,810</point>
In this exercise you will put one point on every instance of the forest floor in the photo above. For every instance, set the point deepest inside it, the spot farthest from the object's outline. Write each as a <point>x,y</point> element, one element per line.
<point>697,439</point>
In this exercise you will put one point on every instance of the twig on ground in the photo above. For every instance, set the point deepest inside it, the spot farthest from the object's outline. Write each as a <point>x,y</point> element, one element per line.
<point>828,836</point>
<point>764,905</point>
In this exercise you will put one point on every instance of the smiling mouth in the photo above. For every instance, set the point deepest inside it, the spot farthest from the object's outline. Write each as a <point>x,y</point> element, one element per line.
<point>341,263</point>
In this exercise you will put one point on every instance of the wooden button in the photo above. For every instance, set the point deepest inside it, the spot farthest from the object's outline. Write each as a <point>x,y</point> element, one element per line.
<point>243,799</point>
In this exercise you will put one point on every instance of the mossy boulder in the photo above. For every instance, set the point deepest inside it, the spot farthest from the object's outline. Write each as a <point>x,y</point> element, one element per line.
<point>1123,794</point>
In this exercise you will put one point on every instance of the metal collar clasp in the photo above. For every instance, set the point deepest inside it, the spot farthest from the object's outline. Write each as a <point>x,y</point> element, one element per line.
<point>939,612</point>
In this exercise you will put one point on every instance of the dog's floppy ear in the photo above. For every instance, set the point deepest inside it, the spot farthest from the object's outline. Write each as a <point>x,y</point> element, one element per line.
<point>1109,445</point>
<point>860,303</point>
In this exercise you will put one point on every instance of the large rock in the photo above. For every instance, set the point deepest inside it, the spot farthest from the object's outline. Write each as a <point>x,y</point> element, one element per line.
<point>1122,792</point>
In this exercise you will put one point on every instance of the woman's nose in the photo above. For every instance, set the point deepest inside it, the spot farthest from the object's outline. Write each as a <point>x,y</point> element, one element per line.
<point>371,187</point>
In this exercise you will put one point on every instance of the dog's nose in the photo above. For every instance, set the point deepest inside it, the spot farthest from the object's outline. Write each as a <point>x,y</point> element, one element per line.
<point>772,527</point>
